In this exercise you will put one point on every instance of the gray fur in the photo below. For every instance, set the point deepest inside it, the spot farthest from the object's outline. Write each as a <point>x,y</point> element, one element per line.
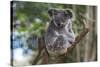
<point>59,35</point>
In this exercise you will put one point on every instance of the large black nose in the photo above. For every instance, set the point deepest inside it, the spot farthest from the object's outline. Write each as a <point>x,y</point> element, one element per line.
<point>60,25</point>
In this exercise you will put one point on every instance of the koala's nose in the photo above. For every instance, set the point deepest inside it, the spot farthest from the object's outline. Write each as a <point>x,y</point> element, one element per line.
<point>60,25</point>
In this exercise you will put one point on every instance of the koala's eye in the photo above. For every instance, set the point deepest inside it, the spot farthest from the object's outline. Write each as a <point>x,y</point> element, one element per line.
<point>62,19</point>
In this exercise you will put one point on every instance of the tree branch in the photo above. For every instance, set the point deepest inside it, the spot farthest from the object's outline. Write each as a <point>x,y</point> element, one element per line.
<point>82,34</point>
<point>79,37</point>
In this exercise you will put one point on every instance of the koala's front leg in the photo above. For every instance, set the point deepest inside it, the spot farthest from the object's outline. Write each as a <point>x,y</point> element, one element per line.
<point>69,32</point>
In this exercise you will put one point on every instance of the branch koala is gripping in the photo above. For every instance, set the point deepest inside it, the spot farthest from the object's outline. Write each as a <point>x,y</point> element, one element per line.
<point>59,35</point>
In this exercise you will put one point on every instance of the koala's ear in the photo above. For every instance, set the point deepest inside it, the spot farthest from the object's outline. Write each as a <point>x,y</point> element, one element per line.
<point>69,13</point>
<point>52,12</point>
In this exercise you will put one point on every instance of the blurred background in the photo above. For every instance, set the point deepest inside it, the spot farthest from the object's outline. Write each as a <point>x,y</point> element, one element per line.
<point>29,21</point>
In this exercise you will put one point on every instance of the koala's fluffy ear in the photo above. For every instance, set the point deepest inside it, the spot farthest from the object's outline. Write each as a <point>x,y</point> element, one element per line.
<point>69,13</point>
<point>51,11</point>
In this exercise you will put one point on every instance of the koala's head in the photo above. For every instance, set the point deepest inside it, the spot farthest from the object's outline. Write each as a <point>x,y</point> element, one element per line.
<point>60,17</point>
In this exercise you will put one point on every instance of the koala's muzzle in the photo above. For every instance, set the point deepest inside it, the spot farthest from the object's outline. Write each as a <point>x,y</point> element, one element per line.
<point>61,25</point>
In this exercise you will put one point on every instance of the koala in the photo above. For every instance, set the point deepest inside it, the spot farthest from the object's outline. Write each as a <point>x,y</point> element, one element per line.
<point>59,35</point>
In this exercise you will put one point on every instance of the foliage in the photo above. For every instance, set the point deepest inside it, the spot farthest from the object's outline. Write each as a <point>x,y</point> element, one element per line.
<point>33,16</point>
